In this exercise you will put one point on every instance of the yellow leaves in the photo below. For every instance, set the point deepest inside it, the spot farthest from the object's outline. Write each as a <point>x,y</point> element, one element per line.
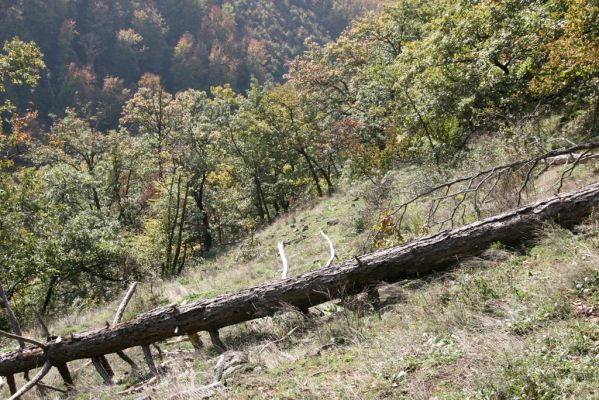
<point>222,178</point>
<point>184,47</point>
<point>574,55</point>
<point>20,124</point>
<point>385,232</point>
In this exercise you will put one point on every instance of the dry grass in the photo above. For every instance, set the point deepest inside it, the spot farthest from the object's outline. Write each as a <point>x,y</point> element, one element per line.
<point>502,326</point>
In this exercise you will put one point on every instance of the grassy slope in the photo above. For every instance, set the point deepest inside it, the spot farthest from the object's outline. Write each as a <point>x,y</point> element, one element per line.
<point>510,325</point>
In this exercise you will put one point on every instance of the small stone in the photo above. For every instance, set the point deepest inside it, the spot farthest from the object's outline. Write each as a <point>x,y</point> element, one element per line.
<point>333,222</point>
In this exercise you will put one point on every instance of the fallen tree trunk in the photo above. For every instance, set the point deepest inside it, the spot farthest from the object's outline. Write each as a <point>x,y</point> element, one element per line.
<point>312,288</point>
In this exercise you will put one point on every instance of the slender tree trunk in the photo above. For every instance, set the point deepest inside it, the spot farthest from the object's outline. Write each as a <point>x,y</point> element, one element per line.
<point>262,206</point>
<point>302,151</point>
<point>258,202</point>
<point>182,265</point>
<point>171,226</point>
<point>48,297</point>
<point>96,199</point>
<point>426,130</point>
<point>327,177</point>
<point>334,165</point>
<point>176,269</point>
<point>204,230</point>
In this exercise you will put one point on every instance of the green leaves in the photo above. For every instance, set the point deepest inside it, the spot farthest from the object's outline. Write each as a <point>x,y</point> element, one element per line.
<point>20,63</point>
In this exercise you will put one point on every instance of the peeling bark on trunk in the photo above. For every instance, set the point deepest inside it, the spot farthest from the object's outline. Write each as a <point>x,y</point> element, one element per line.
<point>418,257</point>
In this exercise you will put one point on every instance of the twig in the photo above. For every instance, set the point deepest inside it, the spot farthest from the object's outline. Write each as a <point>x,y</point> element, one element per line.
<point>24,339</point>
<point>281,247</point>
<point>278,340</point>
<point>85,365</point>
<point>121,310</point>
<point>331,247</point>
<point>33,382</point>
<point>50,387</point>
<point>526,181</point>
<point>137,388</point>
<point>567,173</point>
<point>200,393</point>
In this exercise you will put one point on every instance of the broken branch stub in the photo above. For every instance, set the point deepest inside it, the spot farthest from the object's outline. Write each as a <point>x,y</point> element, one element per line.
<point>281,248</point>
<point>121,310</point>
<point>331,248</point>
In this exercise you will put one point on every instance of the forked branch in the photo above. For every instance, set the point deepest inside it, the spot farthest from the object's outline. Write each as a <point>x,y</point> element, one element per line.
<point>479,187</point>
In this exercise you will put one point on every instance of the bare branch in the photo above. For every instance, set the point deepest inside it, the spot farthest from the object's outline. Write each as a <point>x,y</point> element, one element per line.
<point>50,387</point>
<point>127,359</point>
<point>33,382</point>
<point>568,172</point>
<point>332,249</point>
<point>46,386</point>
<point>65,374</point>
<point>121,310</point>
<point>23,339</point>
<point>284,260</point>
<point>471,186</point>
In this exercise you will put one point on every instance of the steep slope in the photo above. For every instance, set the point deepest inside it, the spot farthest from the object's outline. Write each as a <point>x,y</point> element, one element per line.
<point>439,336</point>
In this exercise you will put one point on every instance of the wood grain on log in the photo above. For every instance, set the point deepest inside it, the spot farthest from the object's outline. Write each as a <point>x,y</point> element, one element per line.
<point>418,257</point>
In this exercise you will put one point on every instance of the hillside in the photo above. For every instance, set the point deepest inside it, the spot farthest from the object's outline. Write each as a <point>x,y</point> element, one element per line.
<point>515,323</point>
<point>446,150</point>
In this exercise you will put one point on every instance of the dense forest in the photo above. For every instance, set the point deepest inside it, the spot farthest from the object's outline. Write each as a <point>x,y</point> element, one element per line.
<point>96,51</point>
<point>209,144</point>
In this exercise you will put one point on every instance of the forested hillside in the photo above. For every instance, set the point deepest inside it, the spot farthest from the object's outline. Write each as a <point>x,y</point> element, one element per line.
<point>190,171</point>
<point>95,51</point>
<point>184,137</point>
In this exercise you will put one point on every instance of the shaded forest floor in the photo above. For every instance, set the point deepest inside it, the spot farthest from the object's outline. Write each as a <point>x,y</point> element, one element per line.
<point>514,323</point>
